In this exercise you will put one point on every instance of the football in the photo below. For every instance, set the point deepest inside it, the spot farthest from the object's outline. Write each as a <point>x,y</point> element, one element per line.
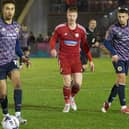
<point>10,122</point>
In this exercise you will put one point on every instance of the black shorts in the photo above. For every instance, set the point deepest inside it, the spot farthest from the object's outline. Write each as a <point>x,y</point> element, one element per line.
<point>83,58</point>
<point>7,68</point>
<point>121,66</point>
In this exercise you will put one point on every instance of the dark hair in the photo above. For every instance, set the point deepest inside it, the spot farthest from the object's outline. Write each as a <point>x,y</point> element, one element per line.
<point>72,9</point>
<point>123,10</point>
<point>92,19</point>
<point>7,2</point>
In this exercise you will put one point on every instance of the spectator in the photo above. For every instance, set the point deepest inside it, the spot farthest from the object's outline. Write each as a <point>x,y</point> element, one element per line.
<point>40,38</point>
<point>46,39</point>
<point>31,38</point>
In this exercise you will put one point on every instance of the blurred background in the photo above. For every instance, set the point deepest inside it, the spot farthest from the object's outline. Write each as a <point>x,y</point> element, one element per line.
<point>40,17</point>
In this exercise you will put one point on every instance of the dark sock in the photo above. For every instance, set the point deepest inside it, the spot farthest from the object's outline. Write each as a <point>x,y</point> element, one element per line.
<point>20,61</point>
<point>75,89</point>
<point>121,93</point>
<point>67,94</point>
<point>18,99</point>
<point>4,105</point>
<point>113,93</point>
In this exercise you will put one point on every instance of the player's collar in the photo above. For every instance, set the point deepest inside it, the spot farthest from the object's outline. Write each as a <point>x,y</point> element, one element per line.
<point>91,29</point>
<point>69,27</point>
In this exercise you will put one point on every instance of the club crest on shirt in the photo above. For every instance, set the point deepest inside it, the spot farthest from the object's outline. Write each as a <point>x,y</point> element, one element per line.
<point>119,68</point>
<point>76,35</point>
<point>17,30</point>
<point>119,33</point>
<point>65,34</point>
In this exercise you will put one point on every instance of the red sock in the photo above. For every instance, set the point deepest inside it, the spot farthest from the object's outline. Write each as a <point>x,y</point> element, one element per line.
<point>67,94</point>
<point>75,89</point>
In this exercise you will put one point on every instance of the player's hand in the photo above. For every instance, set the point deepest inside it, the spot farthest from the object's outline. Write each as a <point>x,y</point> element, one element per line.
<point>96,44</point>
<point>92,66</point>
<point>115,58</point>
<point>53,53</point>
<point>26,60</point>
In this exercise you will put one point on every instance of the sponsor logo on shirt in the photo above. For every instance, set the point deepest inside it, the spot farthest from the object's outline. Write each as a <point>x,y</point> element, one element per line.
<point>70,42</point>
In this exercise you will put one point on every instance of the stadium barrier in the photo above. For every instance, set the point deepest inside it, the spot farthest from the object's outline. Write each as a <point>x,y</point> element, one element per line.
<point>42,50</point>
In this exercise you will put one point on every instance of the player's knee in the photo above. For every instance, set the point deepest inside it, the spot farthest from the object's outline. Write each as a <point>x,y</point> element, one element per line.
<point>75,87</point>
<point>17,86</point>
<point>121,79</point>
<point>2,96</point>
<point>78,83</point>
<point>67,83</point>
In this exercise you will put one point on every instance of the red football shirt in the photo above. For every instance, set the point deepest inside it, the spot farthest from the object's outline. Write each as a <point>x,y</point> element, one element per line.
<point>69,40</point>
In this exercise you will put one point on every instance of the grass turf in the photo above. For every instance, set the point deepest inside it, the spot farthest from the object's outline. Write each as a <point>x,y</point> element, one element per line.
<point>43,99</point>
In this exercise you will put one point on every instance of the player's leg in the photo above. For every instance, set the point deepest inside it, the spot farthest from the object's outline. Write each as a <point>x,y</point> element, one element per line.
<point>76,68</point>
<point>15,77</point>
<point>114,90</point>
<point>3,97</point>
<point>121,79</point>
<point>3,90</point>
<point>119,87</point>
<point>65,70</point>
<point>122,84</point>
<point>112,95</point>
<point>77,81</point>
<point>121,72</point>
<point>67,92</point>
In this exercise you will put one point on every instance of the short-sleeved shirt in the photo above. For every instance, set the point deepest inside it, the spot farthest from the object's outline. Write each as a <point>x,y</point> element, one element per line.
<point>9,33</point>
<point>119,39</point>
<point>70,40</point>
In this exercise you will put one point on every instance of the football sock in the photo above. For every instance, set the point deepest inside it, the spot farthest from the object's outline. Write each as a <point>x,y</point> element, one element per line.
<point>20,61</point>
<point>75,89</point>
<point>4,105</point>
<point>67,94</point>
<point>121,93</point>
<point>113,93</point>
<point>18,99</point>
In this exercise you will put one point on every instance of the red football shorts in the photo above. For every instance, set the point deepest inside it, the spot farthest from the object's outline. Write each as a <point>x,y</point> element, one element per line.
<point>69,65</point>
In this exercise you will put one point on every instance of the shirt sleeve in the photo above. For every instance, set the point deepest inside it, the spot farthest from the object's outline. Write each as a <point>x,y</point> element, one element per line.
<point>18,49</point>
<point>108,41</point>
<point>109,34</point>
<point>54,39</point>
<point>85,46</point>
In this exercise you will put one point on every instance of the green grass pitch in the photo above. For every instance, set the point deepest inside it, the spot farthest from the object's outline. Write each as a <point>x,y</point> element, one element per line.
<point>43,99</point>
